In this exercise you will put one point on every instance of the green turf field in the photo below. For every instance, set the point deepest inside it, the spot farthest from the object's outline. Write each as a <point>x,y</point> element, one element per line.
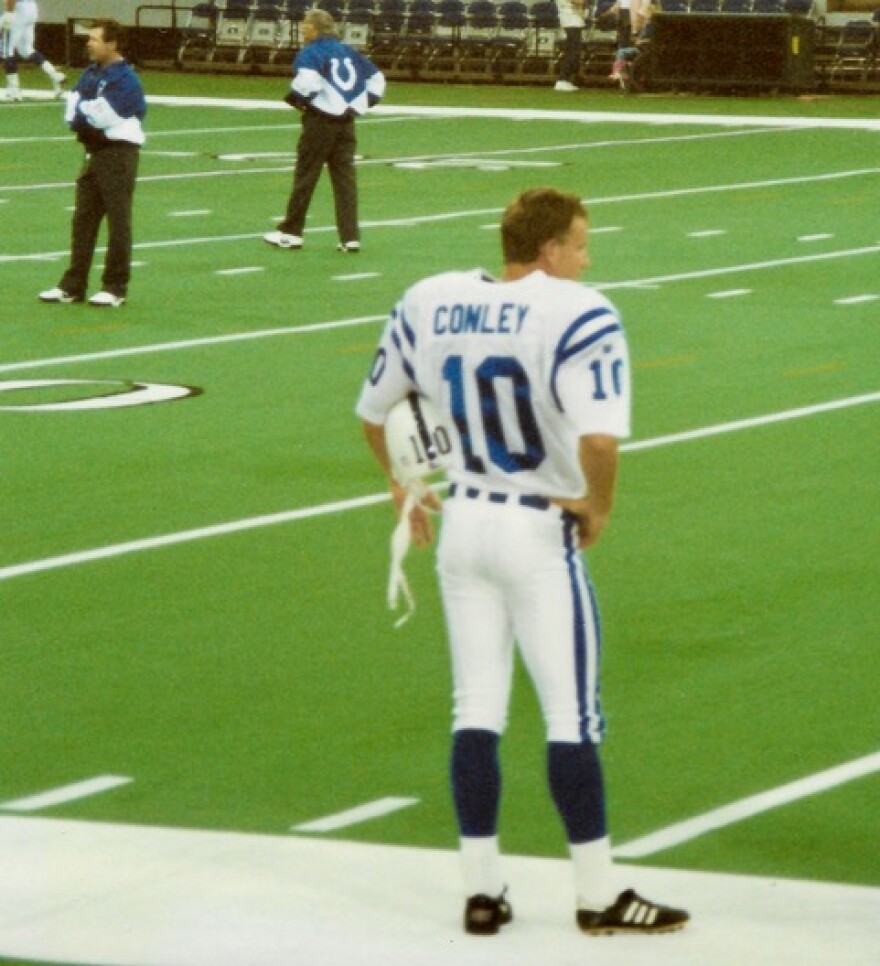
<point>247,677</point>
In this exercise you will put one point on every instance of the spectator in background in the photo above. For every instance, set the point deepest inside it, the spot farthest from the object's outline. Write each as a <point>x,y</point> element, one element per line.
<point>17,31</point>
<point>631,63</point>
<point>332,84</point>
<point>105,111</point>
<point>571,19</point>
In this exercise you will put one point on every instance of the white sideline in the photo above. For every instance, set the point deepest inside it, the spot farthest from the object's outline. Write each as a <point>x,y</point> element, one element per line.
<point>115,895</point>
<point>539,114</point>
<point>289,516</point>
<point>527,114</point>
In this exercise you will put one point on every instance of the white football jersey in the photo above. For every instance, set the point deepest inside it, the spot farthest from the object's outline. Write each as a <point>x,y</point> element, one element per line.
<point>520,370</point>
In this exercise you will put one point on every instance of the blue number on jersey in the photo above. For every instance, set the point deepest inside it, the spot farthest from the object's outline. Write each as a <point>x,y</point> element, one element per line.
<point>597,367</point>
<point>487,373</point>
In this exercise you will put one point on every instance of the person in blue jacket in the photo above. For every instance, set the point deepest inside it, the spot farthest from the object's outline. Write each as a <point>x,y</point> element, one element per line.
<point>105,111</point>
<point>332,85</point>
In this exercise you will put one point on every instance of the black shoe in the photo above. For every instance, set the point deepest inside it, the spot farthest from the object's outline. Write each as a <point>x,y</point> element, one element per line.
<point>484,916</point>
<point>631,913</point>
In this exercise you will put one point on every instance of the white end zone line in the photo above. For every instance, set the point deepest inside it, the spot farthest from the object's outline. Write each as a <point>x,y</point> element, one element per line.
<point>305,513</point>
<point>719,818</point>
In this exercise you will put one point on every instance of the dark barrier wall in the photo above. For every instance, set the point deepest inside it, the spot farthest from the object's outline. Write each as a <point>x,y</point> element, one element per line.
<point>58,11</point>
<point>712,50</point>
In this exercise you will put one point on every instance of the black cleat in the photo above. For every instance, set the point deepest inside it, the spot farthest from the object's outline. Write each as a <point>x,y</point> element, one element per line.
<point>484,916</point>
<point>631,913</point>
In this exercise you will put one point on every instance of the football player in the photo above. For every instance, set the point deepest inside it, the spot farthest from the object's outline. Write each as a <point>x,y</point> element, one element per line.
<point>18,27</point>
<point>531,373</point>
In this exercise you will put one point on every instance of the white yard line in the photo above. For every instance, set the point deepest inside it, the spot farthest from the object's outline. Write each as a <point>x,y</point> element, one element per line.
<point>746,808</point>
<point>188,536</point>
<point>190,343</point>
<point>452,215</point>
<point>729,293</point>
<point>244,270</point>
<point>357,815</point>
<point>253,523</point>
<point>65,794</point>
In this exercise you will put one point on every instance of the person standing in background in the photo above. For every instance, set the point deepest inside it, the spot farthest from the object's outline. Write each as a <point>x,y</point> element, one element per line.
<point>18,29</point>
<point>332,85</point>
<point>571,19</point>
<point>105,111</point>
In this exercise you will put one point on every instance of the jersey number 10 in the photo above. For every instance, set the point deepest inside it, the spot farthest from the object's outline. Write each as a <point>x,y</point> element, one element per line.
<point>487,375</point>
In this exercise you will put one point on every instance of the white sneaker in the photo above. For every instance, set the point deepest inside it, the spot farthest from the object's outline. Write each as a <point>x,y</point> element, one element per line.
<point>107,300</point>
<point>349,248</point>
<point>281,239</point>
<point>58,295</point>
<point>564,85</point>
<point>58,80</point>
<point>14,96</point>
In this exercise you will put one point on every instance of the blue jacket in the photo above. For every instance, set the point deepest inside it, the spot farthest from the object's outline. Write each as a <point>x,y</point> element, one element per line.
<point>107,105</point>
<point>335,79</point>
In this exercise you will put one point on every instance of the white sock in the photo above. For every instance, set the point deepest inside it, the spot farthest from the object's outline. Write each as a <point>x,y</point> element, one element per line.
<point>593,874</point>
<point>12,82</point>
<point>481,866</point>
<point>55,75</point>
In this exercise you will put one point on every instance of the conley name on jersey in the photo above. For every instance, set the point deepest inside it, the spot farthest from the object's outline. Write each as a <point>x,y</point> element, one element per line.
<point>501,360</point>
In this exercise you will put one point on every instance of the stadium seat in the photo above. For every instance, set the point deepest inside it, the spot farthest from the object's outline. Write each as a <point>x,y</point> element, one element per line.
<point>543,49</point>
<point>265,34</point>
<point>198,36</point>
<point>358,22</point>
<point>478,36</point>
<point>446,45</point>
<point>768,7</point>
<point>232,31</point>
<point>511,37</point>
<point>417,36</point>
<point>737,6</point>
<point>855,51</point>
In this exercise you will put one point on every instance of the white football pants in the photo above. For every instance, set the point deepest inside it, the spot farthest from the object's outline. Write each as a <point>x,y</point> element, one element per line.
<point>512,574</point>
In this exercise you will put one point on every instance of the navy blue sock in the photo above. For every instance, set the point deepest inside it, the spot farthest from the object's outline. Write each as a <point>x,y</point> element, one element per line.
<point>476,781</point>
<point>575,777</point>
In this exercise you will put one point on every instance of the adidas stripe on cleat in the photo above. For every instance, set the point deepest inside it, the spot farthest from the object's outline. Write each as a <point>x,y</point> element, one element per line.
<point>484,916</point>
<point>631,913</point>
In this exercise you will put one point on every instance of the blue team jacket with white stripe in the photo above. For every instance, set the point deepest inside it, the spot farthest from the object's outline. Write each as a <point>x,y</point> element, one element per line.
<point>335,79</point>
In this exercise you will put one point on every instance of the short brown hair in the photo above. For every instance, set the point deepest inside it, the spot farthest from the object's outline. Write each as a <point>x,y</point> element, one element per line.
<point>534,217</point>
<point>112,31</point>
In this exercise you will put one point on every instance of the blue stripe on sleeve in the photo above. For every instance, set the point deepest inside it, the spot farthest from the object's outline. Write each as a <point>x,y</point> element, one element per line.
<point>566,350</point>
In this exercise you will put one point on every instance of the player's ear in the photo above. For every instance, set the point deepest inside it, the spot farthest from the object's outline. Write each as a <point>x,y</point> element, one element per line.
<point>548,256</point>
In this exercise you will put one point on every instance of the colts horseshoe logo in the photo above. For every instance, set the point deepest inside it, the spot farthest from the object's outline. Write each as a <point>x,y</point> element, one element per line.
<point>351,79</point>
<point>103,394</point>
